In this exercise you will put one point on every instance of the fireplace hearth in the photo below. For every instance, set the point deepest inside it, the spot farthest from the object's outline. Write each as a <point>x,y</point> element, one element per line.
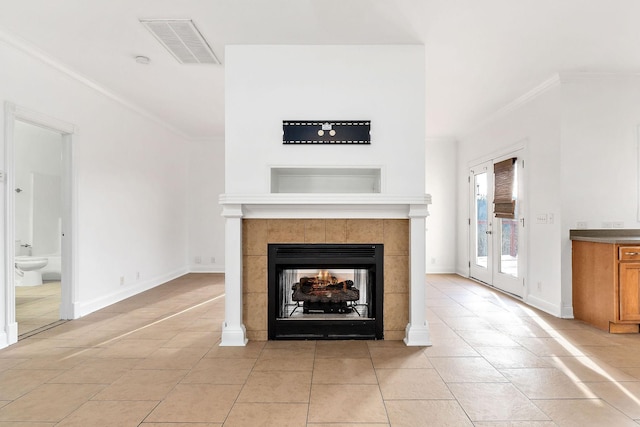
<point>325,291</point>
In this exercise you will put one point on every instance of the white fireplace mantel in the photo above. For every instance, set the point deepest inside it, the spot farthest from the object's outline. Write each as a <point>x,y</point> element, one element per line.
<point>235,207</point>
<point>324,205</point>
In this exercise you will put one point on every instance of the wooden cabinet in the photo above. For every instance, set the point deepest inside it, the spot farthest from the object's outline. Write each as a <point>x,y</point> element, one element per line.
<point>606,285</point>
<point>629,279</point>
<point>629,282</point>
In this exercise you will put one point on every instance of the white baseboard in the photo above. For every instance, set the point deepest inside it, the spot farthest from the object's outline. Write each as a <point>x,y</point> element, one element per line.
<point>82,308</point>
<point>543,305</point>
<point>417,335</point>
<point>206,268</point>
<point>540,304</point>
<point>4,341</point>
<point>462,273</point>
<point>567,312</point>
<point>10,336</point>
<point>440,269</point>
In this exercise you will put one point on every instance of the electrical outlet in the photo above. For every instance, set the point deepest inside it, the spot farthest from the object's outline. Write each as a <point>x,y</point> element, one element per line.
<point>433,260</point>
<point>607,224</point>
<point>539,286</point>
<point>213,260</point>
<point>137,275</point>
<point>582,225</point>
<point>618,224</point>
<point>121,280</point>
<point>198,260</point>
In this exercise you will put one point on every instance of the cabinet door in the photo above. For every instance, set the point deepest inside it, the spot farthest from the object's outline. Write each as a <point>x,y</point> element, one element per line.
<point>629,291</point>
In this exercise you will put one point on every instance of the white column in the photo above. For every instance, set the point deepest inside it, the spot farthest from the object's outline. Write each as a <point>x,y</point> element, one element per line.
<point>417,332</point>
<point>8,324</point>
<point>233,330</point>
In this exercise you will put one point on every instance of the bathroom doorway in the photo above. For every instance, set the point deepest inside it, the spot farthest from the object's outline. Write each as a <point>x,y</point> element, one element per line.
<point>38,227</point>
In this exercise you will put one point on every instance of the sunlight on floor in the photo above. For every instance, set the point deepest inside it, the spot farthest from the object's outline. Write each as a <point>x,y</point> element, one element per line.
<point>584,360</point>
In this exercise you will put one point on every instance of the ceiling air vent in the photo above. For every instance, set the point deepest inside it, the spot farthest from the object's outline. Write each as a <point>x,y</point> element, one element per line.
<point>182,39</point>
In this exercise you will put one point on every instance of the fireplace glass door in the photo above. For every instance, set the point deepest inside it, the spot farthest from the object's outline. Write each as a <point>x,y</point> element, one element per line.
<point>319,291</point>
<point>323,294</point>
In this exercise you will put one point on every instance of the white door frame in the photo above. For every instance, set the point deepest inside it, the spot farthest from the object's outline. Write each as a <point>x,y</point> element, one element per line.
<point>476,271</point>
<point>68,131</point>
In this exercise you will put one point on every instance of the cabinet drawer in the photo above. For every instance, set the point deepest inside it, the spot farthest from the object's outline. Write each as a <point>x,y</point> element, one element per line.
<point>629,253</point>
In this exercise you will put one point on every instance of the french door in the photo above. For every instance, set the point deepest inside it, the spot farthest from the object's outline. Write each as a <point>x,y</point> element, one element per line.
<point>496,243</point>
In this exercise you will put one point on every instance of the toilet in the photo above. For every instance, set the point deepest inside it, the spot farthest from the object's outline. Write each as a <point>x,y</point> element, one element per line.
<point>28,270</point>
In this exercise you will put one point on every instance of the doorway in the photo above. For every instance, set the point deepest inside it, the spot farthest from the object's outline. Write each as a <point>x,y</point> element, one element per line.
<point>496,223</point>
<point>38,222</point>
<point>38,218</point>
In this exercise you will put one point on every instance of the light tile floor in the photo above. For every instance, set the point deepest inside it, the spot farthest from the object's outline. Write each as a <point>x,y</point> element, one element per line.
<point>154,360</point>
<point>37,306</point>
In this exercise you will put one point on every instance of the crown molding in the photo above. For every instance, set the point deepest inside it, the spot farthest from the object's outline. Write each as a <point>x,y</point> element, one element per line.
<point>27,48</point>
<point>569,77</point>
<point>550,83</point>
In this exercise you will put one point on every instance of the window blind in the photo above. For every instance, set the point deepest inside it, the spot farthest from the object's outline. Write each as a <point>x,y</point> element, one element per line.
<point>504,205</point>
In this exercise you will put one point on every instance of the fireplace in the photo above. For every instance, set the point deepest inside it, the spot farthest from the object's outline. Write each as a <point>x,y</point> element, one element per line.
<point>253,223</point>
<point>325,291</point>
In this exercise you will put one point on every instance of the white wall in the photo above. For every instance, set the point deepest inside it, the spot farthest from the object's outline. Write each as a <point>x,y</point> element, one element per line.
<point>441,182</point>
<point>582,166</point>
<point>534,125</point>
<point>601,115</point>
<point>131,177</point>
<point>132,205</point>
<point>384,84</point>
<point>206,224</point>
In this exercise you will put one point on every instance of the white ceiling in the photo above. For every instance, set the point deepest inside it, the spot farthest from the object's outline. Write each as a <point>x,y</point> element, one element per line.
<point>481,54</point>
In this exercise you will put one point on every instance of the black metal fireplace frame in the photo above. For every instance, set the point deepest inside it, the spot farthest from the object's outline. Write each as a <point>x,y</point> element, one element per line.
<point>326,256</point>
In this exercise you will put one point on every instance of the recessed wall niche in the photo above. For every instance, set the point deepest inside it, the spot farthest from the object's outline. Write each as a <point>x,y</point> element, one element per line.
<point>325,180</point>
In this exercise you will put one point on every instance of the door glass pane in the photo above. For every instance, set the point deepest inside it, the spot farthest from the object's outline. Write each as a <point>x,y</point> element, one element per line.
<point>481,218</point>
<point>509,247</point>
<point>509,236</point>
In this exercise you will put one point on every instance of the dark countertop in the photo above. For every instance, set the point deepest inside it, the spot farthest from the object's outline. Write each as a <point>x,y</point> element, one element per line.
<point>616,236</point>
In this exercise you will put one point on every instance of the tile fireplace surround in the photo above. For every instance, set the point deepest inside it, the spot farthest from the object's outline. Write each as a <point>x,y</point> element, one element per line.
<point>252,222</point>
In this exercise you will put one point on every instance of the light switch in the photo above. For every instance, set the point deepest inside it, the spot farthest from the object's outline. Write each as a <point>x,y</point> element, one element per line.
<point>542,218</point>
